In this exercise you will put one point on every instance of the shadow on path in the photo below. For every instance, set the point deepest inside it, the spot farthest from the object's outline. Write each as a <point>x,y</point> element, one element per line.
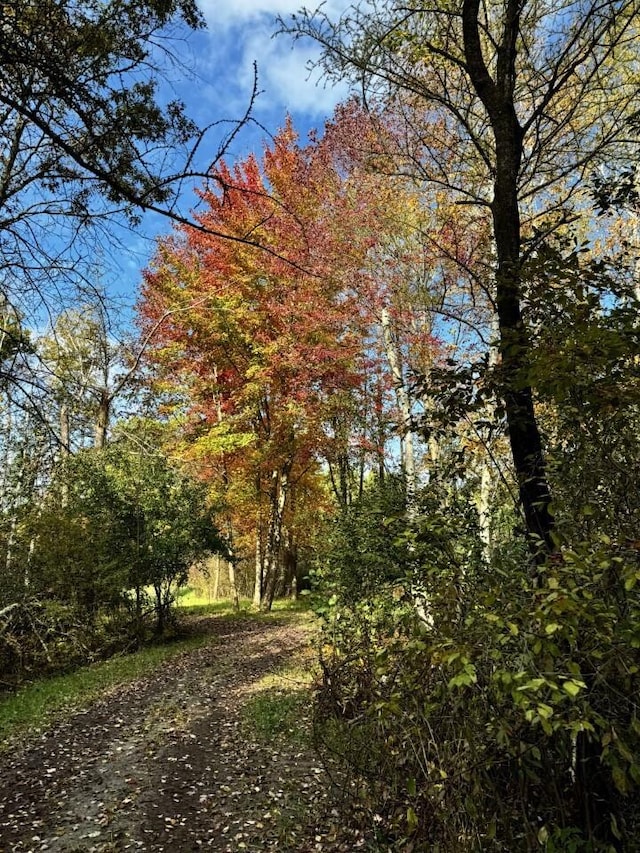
<point>165,764</point>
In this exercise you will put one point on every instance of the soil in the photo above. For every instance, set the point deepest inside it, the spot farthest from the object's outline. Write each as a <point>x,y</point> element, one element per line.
<point>169,763</point>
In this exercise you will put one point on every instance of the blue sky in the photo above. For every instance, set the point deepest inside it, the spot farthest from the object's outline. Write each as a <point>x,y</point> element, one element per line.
<point>241,32</point>
<point>221,61</point>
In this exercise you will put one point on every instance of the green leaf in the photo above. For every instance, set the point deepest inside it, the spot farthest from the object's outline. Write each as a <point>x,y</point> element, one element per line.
<point>620,779</point>
<point>573,687</point>
<point>412,820</point>
<point>465,678</point>
<point>534,684</point>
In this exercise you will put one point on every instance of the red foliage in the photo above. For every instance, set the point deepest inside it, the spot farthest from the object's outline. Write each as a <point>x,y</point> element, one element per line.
<point>265,336</point>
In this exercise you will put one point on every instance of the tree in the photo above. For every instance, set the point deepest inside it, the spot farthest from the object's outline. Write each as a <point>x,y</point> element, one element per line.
<point>527,90</point>
<point>88,138</point>
<point>116,520</point>
<point>80,538</point>
<point>169,520</point>
<point>86,369</point>
<point>28,458</point>
<point>262,345</point>
<point>536,97</point>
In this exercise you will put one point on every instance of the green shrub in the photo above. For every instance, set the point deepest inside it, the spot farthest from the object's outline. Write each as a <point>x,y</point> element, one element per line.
<point>504,720</point>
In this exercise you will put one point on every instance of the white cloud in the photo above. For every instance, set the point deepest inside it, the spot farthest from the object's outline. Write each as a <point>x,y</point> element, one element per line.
<point>241,33</point>
<point>228,12</point>
<point>284,76</point>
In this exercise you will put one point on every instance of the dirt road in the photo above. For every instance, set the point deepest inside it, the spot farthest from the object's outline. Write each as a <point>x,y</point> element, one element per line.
<point>166,764</point>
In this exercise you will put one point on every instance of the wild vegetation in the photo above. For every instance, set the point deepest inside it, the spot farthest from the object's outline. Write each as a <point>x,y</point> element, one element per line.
<point>395,363</point>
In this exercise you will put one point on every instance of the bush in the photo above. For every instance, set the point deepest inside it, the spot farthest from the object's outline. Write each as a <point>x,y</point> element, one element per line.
<point>507,718</point>
<point>363,550</point>
<point>41,638</point>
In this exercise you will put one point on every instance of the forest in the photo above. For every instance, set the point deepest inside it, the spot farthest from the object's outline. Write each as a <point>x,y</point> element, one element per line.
<point>390,366</point>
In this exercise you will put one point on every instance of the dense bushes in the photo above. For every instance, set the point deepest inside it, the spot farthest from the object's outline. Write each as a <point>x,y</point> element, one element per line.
<point>505,717</point>
<point>39,638</point>
<point>362,550</point>
<point>487,694</point>
<point>98,556</point>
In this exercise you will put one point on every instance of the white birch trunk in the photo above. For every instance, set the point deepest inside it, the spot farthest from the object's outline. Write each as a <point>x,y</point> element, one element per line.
<point>403,399</point>
<point>216,577</point>
<point>233,585</point>
<point>258,569</point>
<point>487,465</point>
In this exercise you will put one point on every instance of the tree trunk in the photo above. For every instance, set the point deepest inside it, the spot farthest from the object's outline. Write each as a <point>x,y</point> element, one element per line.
<point>216,579</point>
<point>380,433</point>
<point>232,583</point>
<point>65,430</point>
<point>636,236</point>
<point>273,550</point>
<point>524,435</point>
<point>139,611</point>
<point>18,490</point>
<point>65,451</point>
<point>403,399</point>
<point>258,571</point>
<point>293,570</point>
<point>484,508</point>
<point>159,609</point>
<point>487,463</point>
<point>592,785</point>
<point>102,420</point>
<point>289,569</point>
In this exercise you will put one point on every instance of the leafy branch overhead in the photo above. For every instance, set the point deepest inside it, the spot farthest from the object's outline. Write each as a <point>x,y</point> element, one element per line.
<point>88,136</point>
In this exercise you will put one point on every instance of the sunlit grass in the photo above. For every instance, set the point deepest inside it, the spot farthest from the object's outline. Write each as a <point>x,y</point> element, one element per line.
<point>293,605</point>
<point>189,599</point>
<point>34,704</point>
<point>200,605</point>
<point>279,703</point>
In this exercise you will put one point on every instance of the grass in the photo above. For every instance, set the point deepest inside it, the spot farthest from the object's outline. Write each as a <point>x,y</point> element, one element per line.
<point>280,702</point>
<point>189,602</point>
<point>189,599</point>
<point>34,705</point>
<point>275,713</point>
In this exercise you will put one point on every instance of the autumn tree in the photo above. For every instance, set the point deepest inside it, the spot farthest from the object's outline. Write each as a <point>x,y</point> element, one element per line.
<point>262,343</point>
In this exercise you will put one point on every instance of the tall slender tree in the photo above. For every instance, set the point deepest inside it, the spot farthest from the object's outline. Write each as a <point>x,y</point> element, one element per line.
<point>262,342</point>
